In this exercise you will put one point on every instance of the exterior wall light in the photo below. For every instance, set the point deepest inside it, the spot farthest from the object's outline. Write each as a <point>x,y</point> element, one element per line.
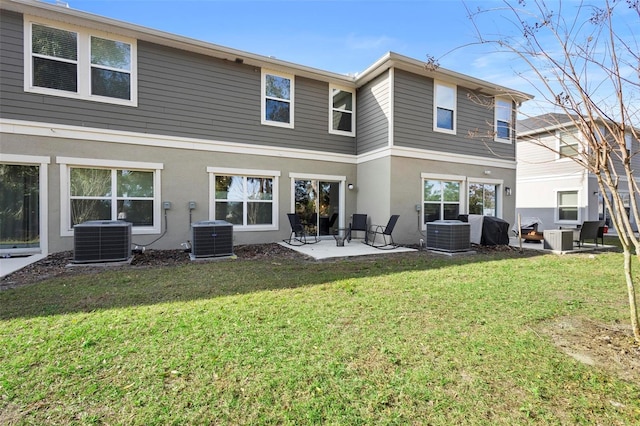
<point>507,191</point>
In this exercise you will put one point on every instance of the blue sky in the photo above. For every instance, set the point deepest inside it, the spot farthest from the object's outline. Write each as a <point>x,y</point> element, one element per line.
<point>343,36</point>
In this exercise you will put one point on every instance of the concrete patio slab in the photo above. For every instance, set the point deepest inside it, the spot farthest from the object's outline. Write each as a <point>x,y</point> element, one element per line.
<point>326,249</point>
<point>585,248</point>
<point>9,265</point>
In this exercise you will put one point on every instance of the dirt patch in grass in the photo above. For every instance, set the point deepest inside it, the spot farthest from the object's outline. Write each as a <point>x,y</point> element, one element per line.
<point>610,347</point>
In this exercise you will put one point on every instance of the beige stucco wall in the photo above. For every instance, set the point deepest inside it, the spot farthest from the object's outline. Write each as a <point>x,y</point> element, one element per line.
<point>393,185</point>
<point>184,178</point>
<point>382,186</point>
<point>373,189</point>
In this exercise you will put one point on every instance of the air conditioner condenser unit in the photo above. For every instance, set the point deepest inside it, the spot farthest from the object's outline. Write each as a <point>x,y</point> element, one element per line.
<point>211,238</point>
<point>98,241</point>
<point>448,235</point>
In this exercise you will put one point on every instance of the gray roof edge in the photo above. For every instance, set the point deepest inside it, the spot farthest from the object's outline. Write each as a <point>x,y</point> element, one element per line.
<point>387,61</point>
<point>396,60</point>
<point>78,17</point>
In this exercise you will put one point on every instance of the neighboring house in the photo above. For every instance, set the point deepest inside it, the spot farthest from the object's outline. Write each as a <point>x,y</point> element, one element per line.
<point>102,119</point>
<point>553,187</point>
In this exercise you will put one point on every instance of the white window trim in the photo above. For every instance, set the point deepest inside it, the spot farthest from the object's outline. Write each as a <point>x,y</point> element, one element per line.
<point>333,87</point>
<point>66,230</point>
<point>578,136</point>
<point>437,83</point>
<point>43,199</point>
<point>508,140</point>
<point>84,63</point>
<point>263,99</point>
<point>556,213</point>
<point>464,190</point>
<point>227,171</point>
<point>499,183</point>
<point>318,177</point>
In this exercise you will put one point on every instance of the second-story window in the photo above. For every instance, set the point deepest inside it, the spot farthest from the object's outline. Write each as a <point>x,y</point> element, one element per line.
<point>55,58</point>
<point>277,99</point>
<point>62,60</point>
<point>341,110</point>
<point>568,144</point>
<point>503,114</point>
<point>444,108</point>
<point>110,68</point>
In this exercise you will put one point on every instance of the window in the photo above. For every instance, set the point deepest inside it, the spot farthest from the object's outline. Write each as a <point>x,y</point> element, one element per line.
<point>341,110</point>
<point>55,58</point>
<point>245,198</point>
<point>568,144</point>
<point>110,68</point>
<point>441,200</point>
<point>104,190</point>
<point>445,108</point>
<point>568,205</point>
<point>626,202</point>
<point>95,193</point>
<point>277,99</point>
<point>62,60</point>
<point>503,116</point>
<point>628,142</point>
<point>482,199</point>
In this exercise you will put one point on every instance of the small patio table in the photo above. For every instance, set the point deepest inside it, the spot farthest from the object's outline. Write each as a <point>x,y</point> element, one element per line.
<point>341,235</point>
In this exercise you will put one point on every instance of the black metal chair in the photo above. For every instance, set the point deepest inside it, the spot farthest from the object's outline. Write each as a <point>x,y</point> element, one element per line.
<point>358,223</point>
<point>384,233</point>
<point>298,234</point>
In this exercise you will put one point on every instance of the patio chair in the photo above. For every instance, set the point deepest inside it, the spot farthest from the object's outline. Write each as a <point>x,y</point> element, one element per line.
<point>601,232</point>
<point>298,234</point>
<point>588,231</point>
<point>332,220</point>
<point>358,223</point>
<point>326,223</point>
<point>383,234</point>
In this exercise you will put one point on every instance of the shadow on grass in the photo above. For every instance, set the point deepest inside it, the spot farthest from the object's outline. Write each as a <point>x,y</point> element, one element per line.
<point>131,287</point>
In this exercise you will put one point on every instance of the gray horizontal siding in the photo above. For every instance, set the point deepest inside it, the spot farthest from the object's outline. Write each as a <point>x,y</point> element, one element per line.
<point>413,121</point>
<point>371,114</point>
<point>413,110</point>
<point>11,54</point>
<point>179,94</point>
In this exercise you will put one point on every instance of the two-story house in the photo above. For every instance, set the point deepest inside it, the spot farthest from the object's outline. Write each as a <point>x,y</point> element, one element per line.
<point>551,185</point>
<point>102,119</point>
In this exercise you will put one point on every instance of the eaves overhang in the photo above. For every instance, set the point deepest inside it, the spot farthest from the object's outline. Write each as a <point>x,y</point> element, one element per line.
<point>389,60</point>
<point>395,60</point>
<point>554,125</point>
<point>79,18</point>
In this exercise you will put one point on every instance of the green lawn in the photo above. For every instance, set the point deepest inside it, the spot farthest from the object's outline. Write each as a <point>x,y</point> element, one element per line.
<point>406,339</point>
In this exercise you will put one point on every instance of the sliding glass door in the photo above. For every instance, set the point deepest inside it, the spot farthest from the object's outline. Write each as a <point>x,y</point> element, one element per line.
<point>19,207</point>
<point>317,202</point>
